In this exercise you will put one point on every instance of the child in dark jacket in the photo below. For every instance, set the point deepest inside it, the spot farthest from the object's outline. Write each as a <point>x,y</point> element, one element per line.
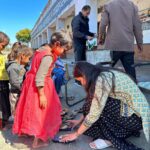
<point>16,72</point>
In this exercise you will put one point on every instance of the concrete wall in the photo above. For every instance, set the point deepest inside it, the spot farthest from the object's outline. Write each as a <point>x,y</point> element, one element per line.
<point>68,23</point>
<point>69,54</point>
<point>142,4</point>
<point>145,55</point>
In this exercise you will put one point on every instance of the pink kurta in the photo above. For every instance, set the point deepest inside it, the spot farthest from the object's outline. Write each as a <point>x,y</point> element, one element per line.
<point>30,118</point>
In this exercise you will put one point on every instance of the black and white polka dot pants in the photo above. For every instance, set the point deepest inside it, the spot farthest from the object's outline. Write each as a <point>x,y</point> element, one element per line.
<point>114,127</point>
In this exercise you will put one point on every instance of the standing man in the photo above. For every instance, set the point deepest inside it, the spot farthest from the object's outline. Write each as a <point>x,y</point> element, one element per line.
<point>120,18</point>
<point>81,33</point>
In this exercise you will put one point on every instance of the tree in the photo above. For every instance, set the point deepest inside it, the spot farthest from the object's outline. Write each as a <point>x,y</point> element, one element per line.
<point>24,36</point>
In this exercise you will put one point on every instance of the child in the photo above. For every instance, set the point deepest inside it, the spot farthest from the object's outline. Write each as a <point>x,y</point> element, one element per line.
<point>59,75</point>
<point>4,87</point>
<point>38,111</point>
<point>15,68</point>
<point>15,47</point>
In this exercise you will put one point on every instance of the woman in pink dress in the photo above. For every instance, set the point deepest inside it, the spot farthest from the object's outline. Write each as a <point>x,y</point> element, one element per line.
<point>38,112</point>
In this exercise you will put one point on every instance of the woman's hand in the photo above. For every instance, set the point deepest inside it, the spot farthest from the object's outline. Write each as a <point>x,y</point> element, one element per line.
<point>69,137</point>
<point>43,101</point>
<point>74,123</point>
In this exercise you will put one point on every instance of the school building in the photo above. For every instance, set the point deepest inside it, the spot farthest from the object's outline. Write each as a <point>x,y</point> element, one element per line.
<point>58,15</point>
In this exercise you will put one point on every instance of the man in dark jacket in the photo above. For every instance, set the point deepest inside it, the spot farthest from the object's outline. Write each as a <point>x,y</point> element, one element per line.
<point>81,33</point>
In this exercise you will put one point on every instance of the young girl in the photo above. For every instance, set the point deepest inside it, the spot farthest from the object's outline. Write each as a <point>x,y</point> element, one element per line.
<point>15,68</point>
<point>4,88</point>
<point>38,111</point>
<point>115,109</point>
<point>14,48</point>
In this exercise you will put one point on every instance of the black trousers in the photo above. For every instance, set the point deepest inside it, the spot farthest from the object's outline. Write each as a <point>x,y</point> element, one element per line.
<point>80,51</point>
<point>127,59</point>
<point>4,102</point>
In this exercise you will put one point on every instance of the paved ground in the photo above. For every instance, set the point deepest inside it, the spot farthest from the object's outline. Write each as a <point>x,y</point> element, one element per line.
<point>82,143</point>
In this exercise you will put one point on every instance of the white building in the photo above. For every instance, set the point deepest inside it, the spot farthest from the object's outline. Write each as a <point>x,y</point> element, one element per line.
<point>58,14</point>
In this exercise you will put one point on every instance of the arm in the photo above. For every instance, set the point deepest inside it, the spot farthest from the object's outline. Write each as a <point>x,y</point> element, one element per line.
<point>104,23</point>
<point>40,79</point>
<point>43,70</point>
<point>14,78</point>
<point>76,29</point>
<point>98,104</point>
<point>137,27</point>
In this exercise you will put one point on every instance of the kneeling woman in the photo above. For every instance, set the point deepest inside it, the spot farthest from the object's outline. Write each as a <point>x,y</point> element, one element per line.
<point>115,108</point>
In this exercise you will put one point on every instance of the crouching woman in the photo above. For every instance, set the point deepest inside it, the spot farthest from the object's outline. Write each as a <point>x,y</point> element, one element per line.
<point>115,108</point>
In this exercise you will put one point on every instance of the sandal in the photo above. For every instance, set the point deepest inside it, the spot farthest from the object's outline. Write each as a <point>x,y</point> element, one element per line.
<point>64,112</point>
<point>99,144</point>
<point>57,139</point>
<point>70,117</point>
<point>66,127</point>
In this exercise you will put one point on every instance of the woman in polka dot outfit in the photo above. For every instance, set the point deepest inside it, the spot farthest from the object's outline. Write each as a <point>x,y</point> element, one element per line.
<point>115,108</point>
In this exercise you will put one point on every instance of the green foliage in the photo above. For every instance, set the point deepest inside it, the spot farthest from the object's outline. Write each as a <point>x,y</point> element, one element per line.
<point>24,36</point>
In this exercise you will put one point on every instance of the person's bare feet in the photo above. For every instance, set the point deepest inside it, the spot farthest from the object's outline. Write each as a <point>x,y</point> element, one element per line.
<point>36,144</point>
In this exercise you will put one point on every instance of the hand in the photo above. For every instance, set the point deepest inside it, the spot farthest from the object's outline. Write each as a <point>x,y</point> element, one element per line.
<point>101,39</point>
<point>73,123</point>
<point>140,47</point>
<point>69,137</point>
<point>43,101</point>
<point>89,38</point>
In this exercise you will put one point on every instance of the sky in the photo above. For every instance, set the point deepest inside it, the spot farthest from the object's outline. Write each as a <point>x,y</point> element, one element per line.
<point>19,14</point>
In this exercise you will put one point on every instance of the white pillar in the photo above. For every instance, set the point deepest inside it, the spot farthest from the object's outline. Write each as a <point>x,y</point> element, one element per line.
<point>93,23</point>
<point>78,5</point>
<point>42,42</point>
<point>32,43</point>
<point>93,15</point>
<point>39,40</point>
<point>44,37</point>
<point>35,43</point>
<point>49,33</point>
<point>60,24</point>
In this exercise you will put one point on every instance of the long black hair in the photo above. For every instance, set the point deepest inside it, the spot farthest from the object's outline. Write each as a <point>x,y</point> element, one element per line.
<point>90,73</point>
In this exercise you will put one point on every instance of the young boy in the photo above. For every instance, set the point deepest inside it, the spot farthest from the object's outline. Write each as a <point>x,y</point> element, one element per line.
<point>4,87</point>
